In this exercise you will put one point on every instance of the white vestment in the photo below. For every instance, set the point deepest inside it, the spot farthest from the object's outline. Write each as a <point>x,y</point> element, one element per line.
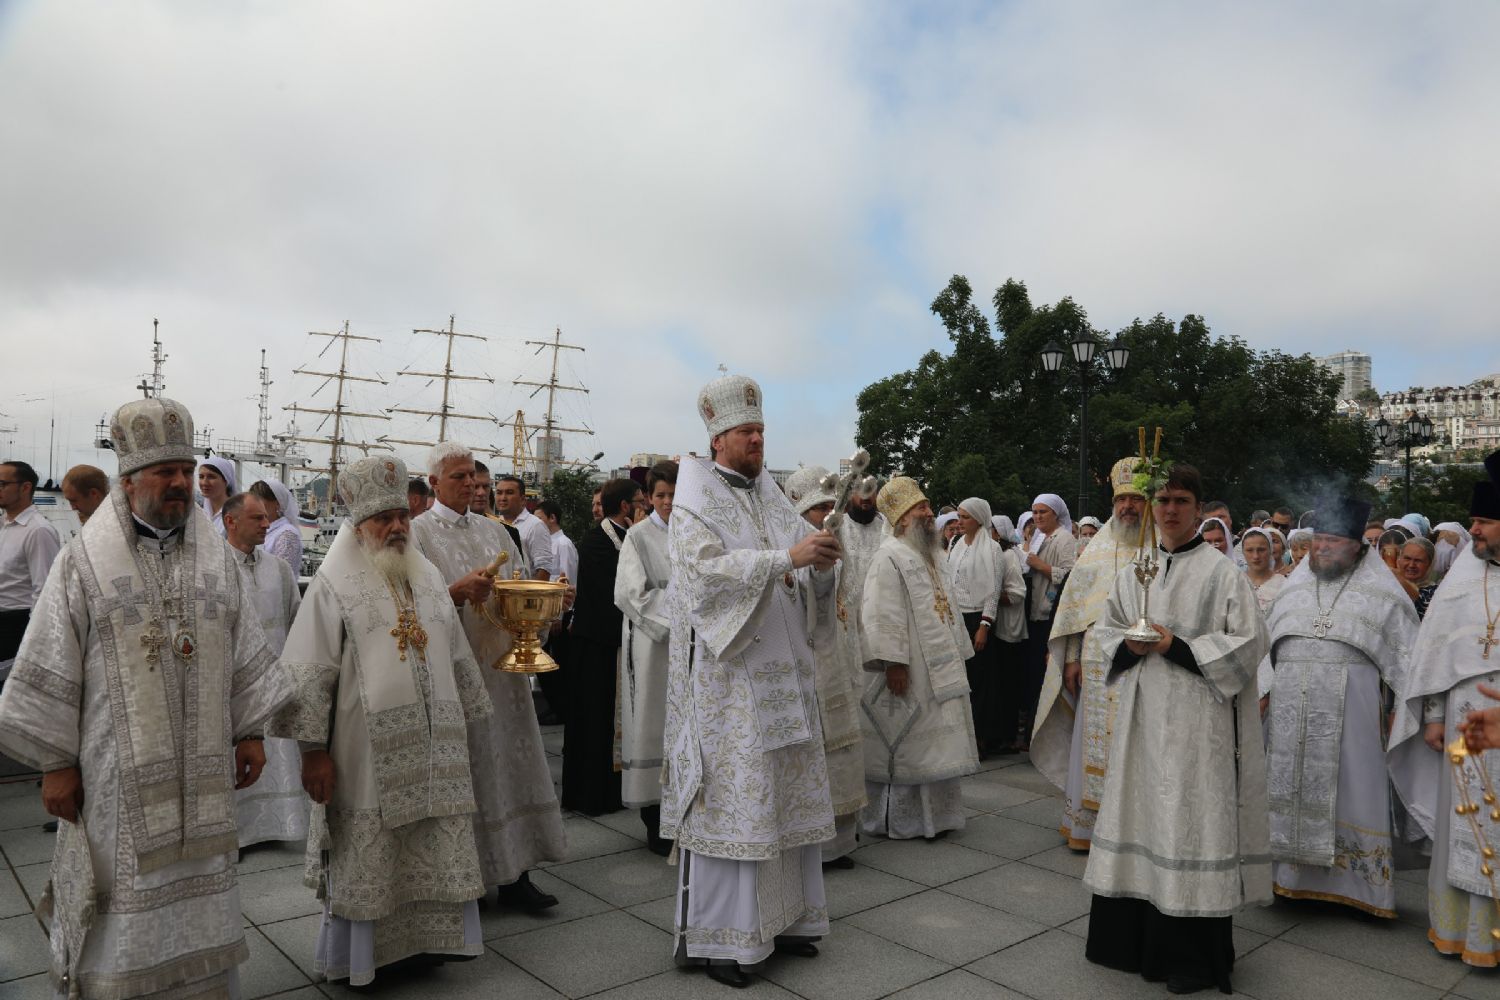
<point>519,823</point>
<point>1183,820</point>
<point>1329,793</point>
<point>392,854</point>
<point>1070,742</point>
<point>837,648</point>
<point>1447,669</point>
<point>142,896</point>
<point>744,786</point>
<point>275,807</point>
<point>920,743</point>
<point>641,595</point>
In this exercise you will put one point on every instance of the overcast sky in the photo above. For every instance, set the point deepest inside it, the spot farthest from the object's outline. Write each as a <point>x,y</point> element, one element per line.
<point>780,188</point>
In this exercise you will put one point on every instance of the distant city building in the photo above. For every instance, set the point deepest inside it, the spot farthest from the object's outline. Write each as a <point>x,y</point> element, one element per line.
<point>1351,366</point>
<point>1463,417</point>
<point>646,459</point>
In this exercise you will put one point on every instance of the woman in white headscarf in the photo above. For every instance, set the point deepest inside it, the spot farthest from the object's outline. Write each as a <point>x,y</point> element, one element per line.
<point>1449,539</point>
<point>1258,548</point>
<point>1009,636</point>
<point>1050,555</point>
<point>973,568</point>
<point>215,486</point>
<point>284,538</point>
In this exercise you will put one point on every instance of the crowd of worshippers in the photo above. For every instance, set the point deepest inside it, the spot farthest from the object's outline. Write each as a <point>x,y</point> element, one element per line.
<point>771,676</point>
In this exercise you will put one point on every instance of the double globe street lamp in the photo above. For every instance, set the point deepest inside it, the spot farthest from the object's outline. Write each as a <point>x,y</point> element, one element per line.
<point>1084,346</point>
<point>1415,430</point>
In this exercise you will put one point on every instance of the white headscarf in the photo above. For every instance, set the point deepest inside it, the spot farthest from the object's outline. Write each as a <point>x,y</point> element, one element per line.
<point>225,468</point>
<point>1058,507</point>
<point>1222,527</point>
<point>943,520</point>
<point>1007,531</point>
<point>1446,550</point>
<point>977,508</point>
<point>284,498</point>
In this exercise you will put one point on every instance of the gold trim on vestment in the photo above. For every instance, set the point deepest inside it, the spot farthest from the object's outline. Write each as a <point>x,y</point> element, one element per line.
<point>1483,960</point>
<point>1330,897</point>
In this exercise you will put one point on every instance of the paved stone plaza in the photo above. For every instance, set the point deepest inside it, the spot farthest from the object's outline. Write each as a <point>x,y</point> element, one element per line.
<point>994,911</point>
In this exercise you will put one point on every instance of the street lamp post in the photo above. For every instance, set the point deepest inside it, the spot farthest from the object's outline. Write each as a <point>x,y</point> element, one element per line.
<point>1084,346</point>
<point>1414,430</point>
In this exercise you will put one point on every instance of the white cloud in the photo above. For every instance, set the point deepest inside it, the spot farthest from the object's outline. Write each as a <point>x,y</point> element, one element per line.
<point>777,187</point>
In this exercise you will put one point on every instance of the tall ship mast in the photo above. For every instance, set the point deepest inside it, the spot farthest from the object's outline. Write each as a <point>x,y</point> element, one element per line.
<point>445,411</point>
<point>336,441</point>
<point>551,444</point>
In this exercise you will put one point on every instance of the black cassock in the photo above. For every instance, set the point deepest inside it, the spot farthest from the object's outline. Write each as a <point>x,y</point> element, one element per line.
<point>590,783</point>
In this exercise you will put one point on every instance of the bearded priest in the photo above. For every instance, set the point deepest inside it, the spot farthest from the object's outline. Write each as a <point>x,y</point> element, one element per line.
<point>386,690</point>
<point>139,691</point>
<point>919,730</point>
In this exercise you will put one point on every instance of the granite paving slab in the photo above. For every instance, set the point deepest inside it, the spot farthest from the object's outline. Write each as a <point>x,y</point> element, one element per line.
<point>37,987</point>
<point>657,913</point>
<point>930,863</point>
<point>33,879</point>
<point>1044,811</point>
<point>1005,837</point>
<point>622,879</point>
<point>688,984</point>
<point>487,977</point>
<point>1034,893</point>
<point>1061,859</point>
<point>1274,920</point>
<point>23,811</point>
<point>626,949</point>
<point>1477,984</point>
<point>1051,966</point>
<point>625,821</point>
<point>264,857</point>
<point>1282,971</point>
<point>26,952</point>
<point>1389,945</point>
<point>573,903</point>
<point>984,795</point>
<point>297,939</point>
<point>27,845</point>
<point>276,894</point>
<point>957,985</point>
<point>13,901</point>
<point>850,890</point>
<point>853,965</point>
<point>588,839</point>
<point>946,927</point>
<point>268,971</point>
<point>1023,775</point>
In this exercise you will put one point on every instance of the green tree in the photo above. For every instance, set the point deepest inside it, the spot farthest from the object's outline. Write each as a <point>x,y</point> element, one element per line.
<point>1442,493</point>
<point>573,489</point>
<point>986,419</point>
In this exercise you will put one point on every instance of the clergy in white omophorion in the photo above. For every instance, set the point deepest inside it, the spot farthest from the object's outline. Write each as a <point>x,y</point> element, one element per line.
<point>386,691</point>
<point>919,733</point>
<point>641,595</point>
<point>1340,627</point>
<point>139,691</point>
<point>837,650</point>
<point>744,786</point>
<point>1076,715</point>
<point>1181,842</point>
<point>519,822</point>
<point>275,807</point>
<point>1457,650</point>
<point>860,533</point>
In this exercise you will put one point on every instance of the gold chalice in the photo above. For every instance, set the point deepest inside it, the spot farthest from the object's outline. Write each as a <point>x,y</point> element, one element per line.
<point>525,609</point>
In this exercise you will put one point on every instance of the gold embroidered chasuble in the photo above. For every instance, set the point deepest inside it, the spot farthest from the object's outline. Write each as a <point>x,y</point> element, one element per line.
<point>142,896</point>
<point>399,829</point>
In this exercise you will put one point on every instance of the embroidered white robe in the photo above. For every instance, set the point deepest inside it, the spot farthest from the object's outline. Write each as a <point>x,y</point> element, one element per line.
<point>142,896</point>
<point>917,745</point>
<point>1070,743</point>
<point>275,807</point>
<point>1447,668</point>
<point>745,779</point>
<point>395,845</point>
<point>1183,820</point>
<point>641,595</point>
<point>1331,833</point>
<point>519,823</point>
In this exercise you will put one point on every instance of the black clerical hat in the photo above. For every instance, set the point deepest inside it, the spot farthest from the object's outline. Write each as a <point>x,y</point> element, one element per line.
<point>1486,501</point>
<point>1492,466</point>
<point>1343,516</point>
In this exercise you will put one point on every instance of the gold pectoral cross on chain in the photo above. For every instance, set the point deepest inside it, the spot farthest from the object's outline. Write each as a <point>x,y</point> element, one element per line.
<point>153,639</point>
<point>1322,624</point>
<point>1488,640</point>
<point>409,631</point>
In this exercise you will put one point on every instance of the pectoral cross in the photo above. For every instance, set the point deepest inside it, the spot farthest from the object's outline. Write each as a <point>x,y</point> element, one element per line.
<point>154,639</point>
<point>1488,640</point>
<point>408,631</point>
<point>1322,624</point>
<point>940,604</point>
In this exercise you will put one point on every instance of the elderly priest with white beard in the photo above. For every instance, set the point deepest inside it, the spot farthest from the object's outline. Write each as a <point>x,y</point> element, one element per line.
<point>919,730</point>
<point>386,689</point>
<point>139,690</point>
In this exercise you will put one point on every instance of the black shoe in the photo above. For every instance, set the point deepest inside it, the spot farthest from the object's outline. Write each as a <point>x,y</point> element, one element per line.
<point>800,948</point>
<point>50,826</point>
<point>729,975</point>
<point>522,895</point>
<point>1180,983</point>
<point>661,848</point>
<point>842,862</point>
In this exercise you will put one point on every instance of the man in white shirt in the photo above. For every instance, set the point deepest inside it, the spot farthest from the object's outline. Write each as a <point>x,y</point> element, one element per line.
<point>536,541</point>
<point>28,544</point>
<point>564,552</point>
